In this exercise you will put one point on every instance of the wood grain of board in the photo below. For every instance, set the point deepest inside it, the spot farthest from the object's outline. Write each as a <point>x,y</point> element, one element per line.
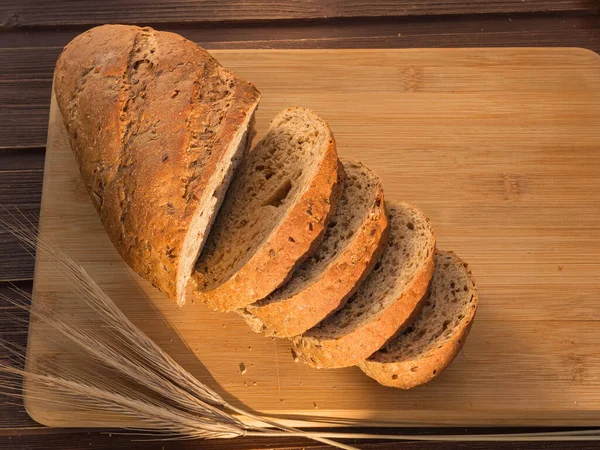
<point>499,147</point>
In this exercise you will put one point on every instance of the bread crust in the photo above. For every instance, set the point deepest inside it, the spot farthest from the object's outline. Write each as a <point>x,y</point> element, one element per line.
<point>294,315</point>
<point>399,375</point>
<point>414,372</point>
<point>275,260</point>
<point>356,346</point>
<point>133,100</point>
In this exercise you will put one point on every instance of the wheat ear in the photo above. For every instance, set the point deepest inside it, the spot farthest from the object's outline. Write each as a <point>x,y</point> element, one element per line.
<point>130,352</point>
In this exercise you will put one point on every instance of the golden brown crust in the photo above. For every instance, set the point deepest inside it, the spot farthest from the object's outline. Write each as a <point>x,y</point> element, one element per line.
<point>408,373</point>
<point>357,345</point>
<point>134,102</point>
<point>274,261</point>
<point>294,315</point>
<point>402,374</point>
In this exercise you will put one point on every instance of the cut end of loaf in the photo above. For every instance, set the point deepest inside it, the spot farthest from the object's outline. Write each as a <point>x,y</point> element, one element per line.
<point>427,347</point>
<point>210,203</point>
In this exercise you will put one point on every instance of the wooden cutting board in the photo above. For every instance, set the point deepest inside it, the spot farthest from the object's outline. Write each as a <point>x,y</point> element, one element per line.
<point>499,147</point>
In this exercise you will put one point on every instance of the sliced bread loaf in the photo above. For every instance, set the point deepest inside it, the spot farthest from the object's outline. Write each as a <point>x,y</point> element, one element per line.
<point>274,214</point>
<point>353,242</point>
<point>157,127</point>
<point>385,303</point>
<point>428,346</point>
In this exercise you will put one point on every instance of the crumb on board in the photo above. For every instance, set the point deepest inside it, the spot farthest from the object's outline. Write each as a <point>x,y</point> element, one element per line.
<point>249,348</point>
<point>254,383</point>
<point>294,355</point>
<point>571,341</point>
<point>315,405</point>
<point>560,268</point>
<point>242,368</point>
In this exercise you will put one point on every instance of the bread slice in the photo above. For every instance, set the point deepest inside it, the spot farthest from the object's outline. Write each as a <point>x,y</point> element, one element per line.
<point>352,245</point>
<point>430,344</point>
<point>385,303</point>
<point>157,127</point>
<point>274,215</point>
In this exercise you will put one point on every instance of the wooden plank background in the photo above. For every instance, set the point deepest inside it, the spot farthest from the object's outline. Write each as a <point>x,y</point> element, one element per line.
<point>33,32</point>
<point>64,12</point>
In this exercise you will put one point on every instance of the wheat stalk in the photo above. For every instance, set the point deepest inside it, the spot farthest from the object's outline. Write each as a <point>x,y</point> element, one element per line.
<point>136,357</point>
<point>170,401</point>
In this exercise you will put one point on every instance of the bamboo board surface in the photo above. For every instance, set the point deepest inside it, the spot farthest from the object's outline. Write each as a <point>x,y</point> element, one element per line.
<point>499,147</point>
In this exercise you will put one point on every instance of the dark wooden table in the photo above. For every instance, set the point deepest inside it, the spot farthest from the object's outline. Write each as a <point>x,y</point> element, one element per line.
<point>32,34</point>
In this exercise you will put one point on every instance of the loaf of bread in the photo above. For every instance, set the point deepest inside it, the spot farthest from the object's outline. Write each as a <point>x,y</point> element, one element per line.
<point>274,215</point>
<point>303,246</point>
<point>430,344</point>
<point>385,303</point>
<point>157,127</point>
<point>353,243</point>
